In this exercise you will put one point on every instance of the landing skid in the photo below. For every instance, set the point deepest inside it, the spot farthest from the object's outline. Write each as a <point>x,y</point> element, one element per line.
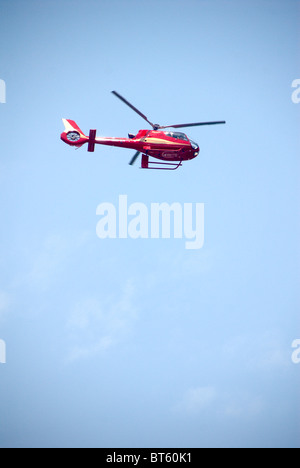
<point>146,164</point>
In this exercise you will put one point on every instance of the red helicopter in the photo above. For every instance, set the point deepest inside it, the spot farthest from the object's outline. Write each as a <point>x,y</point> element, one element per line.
<point>170,147</point>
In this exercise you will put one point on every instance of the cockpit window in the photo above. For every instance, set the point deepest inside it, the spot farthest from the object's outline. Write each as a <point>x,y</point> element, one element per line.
<point>177,135</point>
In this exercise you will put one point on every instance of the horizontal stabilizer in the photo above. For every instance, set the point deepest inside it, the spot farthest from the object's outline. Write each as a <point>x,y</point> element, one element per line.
<point>92,139</point>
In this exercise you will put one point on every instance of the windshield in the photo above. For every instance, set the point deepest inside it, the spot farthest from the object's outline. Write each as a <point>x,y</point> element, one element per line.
<point>177,135</point>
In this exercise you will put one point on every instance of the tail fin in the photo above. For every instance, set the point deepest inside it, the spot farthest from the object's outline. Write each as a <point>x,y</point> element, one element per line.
<point>70,125</point>
<point>73,135</point>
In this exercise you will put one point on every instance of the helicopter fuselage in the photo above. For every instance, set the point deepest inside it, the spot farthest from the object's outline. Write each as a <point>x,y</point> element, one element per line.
<point>163,145</point>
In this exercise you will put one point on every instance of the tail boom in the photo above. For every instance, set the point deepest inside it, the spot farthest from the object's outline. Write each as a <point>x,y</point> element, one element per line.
<point>74,136</point>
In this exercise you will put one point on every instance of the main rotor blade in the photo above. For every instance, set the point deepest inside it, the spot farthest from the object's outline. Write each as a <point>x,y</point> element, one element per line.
<point>132,107</point>
<point>134,158</point>
<point>194,124</point>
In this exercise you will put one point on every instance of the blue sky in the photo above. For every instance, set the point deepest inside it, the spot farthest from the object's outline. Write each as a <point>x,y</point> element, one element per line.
<point>142,343</point>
